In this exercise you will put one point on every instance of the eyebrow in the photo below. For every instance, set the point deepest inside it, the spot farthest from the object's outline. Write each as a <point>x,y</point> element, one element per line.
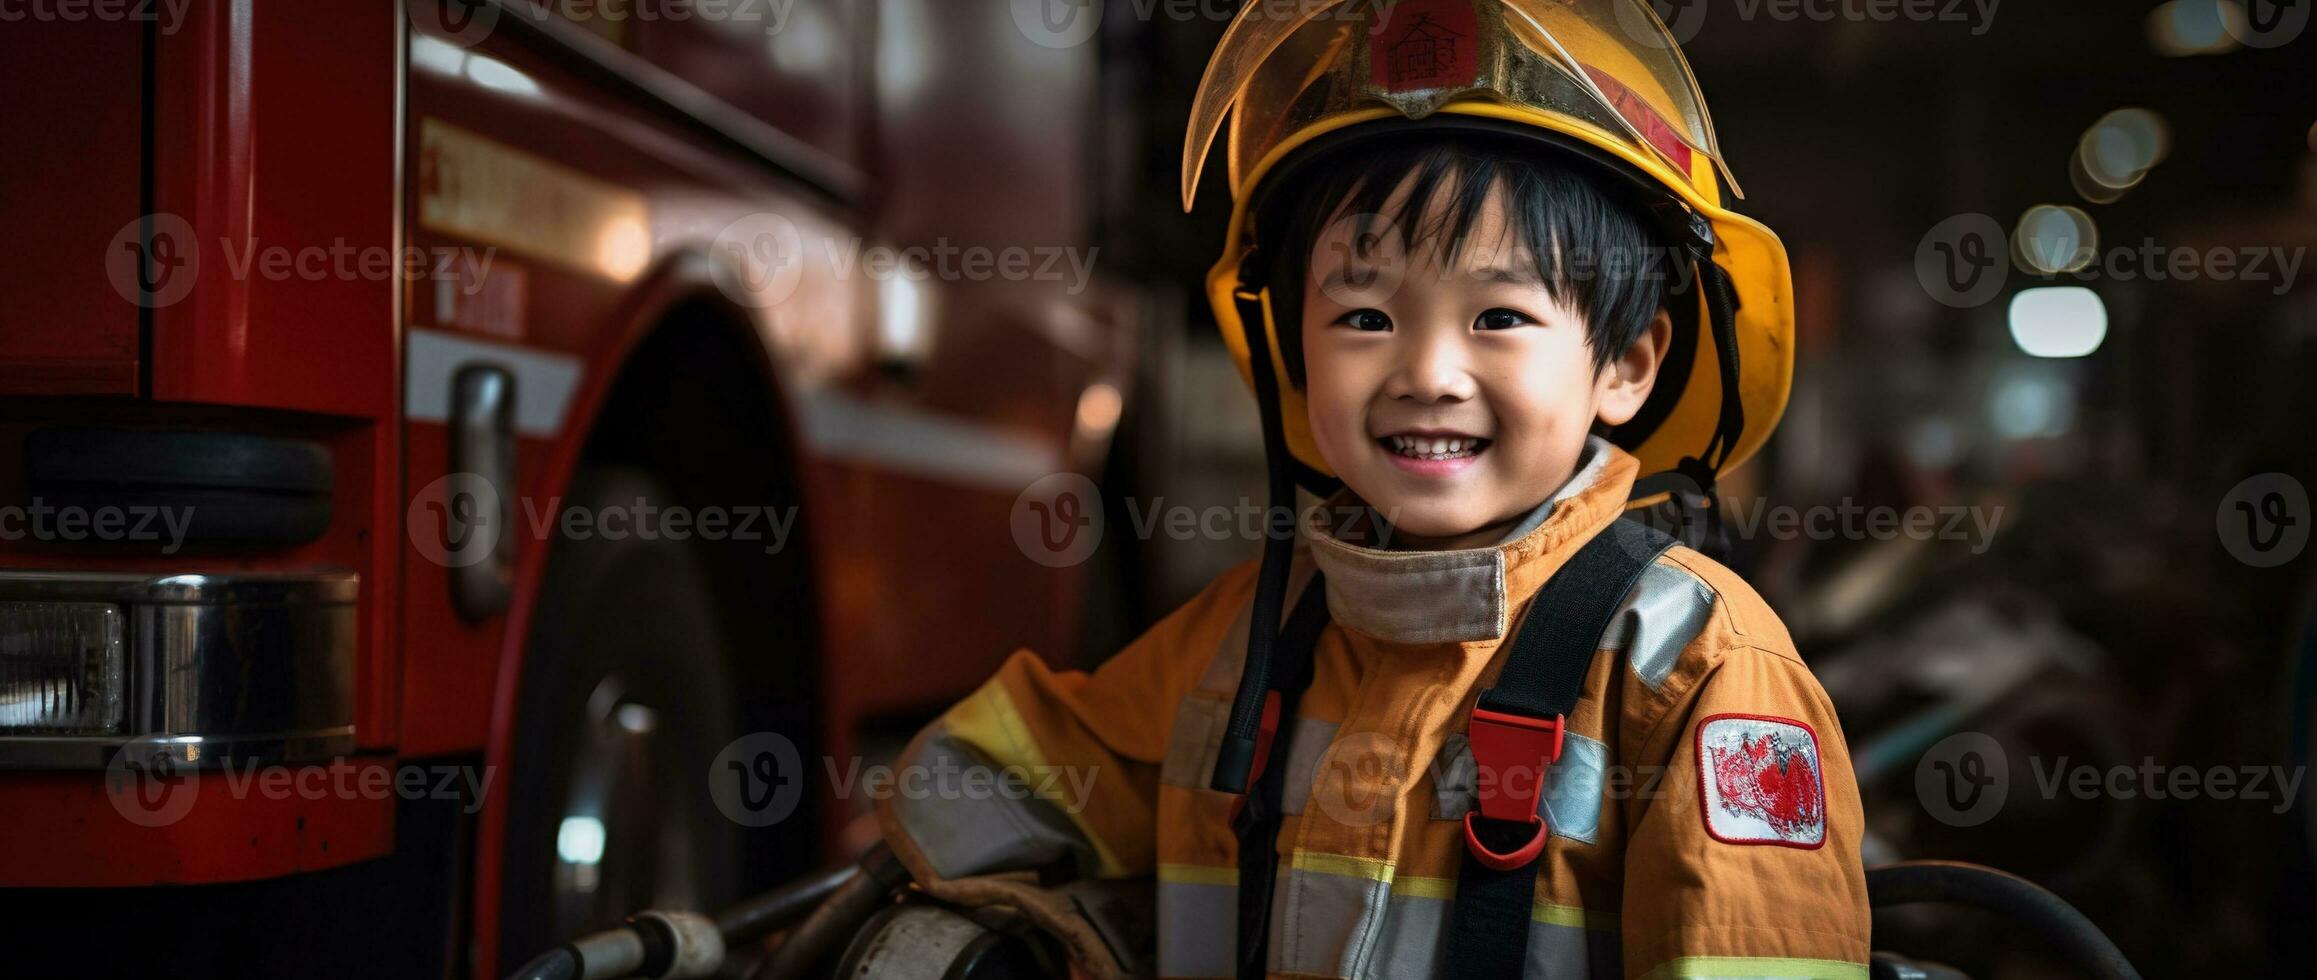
<point>1517,275</point>
<point>1340,276</point>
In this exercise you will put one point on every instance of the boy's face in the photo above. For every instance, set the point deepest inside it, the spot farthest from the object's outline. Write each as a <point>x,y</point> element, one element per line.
<point>1453,396</point>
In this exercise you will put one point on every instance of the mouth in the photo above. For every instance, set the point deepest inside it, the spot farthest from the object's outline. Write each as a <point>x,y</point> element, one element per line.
<point>1433,453</point>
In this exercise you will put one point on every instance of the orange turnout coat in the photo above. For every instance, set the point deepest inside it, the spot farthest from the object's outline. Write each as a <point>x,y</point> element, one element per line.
<point>1703,817</point>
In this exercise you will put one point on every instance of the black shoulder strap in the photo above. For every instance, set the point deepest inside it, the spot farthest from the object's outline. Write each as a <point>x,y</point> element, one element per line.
<point>1546,669</point>
<point>1540,681</point>
<point>1257,822</point>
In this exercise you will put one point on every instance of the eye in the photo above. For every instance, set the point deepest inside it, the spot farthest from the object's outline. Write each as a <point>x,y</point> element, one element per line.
<point>1366,320</point>
<point>1502,319</point>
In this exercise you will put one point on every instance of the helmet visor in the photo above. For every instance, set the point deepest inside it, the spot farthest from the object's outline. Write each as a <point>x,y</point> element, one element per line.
<point>1284,65</point>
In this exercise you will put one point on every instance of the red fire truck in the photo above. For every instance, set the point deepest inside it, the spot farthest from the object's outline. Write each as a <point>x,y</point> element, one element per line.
<point>359,362</point>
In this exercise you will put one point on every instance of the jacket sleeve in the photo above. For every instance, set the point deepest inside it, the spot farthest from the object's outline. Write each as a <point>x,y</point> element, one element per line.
<point>1744,859</point>
<point>1039,766</point>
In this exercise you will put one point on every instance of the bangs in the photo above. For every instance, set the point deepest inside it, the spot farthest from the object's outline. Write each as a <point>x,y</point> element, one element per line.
<point>1586,241</point>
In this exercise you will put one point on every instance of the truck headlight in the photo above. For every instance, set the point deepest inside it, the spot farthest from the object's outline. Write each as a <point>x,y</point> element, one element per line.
<point>239,666</point>
<point>63,668</point>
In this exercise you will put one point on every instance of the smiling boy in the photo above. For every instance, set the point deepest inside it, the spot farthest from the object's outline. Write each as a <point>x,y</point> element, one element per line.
<point>1482,283</point>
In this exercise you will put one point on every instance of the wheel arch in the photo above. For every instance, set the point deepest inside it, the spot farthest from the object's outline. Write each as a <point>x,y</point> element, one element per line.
<point>685,378</point>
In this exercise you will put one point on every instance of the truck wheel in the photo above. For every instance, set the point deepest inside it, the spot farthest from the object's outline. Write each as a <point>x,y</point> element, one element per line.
<point>625,699</point>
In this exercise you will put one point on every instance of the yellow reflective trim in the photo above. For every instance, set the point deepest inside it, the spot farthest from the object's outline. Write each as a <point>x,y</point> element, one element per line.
<point>1419,886</point>
<point>1343,865</point>
<point>988,720</point>
<point>1734,967</point>
<point>1574,917</point>
<point>1198,874</point>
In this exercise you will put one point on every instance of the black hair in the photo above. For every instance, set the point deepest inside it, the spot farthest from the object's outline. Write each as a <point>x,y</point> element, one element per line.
<point>1595,246</point>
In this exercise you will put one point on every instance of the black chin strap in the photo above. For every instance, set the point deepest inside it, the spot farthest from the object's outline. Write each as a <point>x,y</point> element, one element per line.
<point>1235,758</point>
<point>1689,486</point>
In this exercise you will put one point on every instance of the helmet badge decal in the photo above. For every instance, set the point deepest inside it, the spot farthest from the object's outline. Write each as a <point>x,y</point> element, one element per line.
<point>1424,44</point>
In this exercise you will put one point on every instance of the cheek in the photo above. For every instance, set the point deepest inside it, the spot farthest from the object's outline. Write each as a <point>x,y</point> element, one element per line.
<point>1545,400</point>
<point>1334,407</point>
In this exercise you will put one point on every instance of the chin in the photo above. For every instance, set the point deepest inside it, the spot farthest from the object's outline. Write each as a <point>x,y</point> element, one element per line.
<point>1426,521</point>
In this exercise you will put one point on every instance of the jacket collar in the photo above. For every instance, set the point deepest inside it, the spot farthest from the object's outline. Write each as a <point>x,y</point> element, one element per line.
<point>1466,595</point>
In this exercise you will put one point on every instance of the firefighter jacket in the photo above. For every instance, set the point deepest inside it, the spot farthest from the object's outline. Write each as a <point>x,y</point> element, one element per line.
<point>1703,816</point>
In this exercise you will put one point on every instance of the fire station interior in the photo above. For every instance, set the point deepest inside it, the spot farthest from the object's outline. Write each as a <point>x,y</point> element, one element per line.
<point>2035,515</point>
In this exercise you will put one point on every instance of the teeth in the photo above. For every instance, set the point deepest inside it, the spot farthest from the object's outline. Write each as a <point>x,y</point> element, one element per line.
<point>1425,447</point>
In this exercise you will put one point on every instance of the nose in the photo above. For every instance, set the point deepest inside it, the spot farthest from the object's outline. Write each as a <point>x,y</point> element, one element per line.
<point>1433,366</point>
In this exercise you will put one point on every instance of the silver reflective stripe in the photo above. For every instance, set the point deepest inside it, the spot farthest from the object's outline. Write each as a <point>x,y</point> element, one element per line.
<point>1572,803</point>
<point>1558,950</point>
<point>1414,940</point>
<point>1414,943</point>
<point>1312,739</point>
<point>963,835</point>
<point>1665,611</point>
<point>1326,924</point>
<point>1355,925</point>
<point>1198,923</point>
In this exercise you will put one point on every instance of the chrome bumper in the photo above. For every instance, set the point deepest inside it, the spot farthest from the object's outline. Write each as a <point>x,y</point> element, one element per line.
<point>233,668</point>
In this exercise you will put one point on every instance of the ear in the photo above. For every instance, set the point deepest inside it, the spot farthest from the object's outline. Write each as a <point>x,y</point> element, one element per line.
<point>1626,382</point>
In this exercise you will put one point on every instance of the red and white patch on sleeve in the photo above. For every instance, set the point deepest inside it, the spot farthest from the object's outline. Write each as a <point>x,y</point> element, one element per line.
<point>1759,781</point>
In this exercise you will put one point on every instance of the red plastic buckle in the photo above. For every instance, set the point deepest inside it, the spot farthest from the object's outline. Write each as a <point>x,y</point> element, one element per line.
<point>1512,860</point>
<point>1511,754</point>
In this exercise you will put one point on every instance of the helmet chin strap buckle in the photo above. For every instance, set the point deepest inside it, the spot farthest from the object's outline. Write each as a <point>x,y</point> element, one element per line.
<point>1688,490</point>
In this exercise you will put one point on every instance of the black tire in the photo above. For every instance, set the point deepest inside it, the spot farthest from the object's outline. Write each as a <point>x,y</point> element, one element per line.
<point>627,635</point>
